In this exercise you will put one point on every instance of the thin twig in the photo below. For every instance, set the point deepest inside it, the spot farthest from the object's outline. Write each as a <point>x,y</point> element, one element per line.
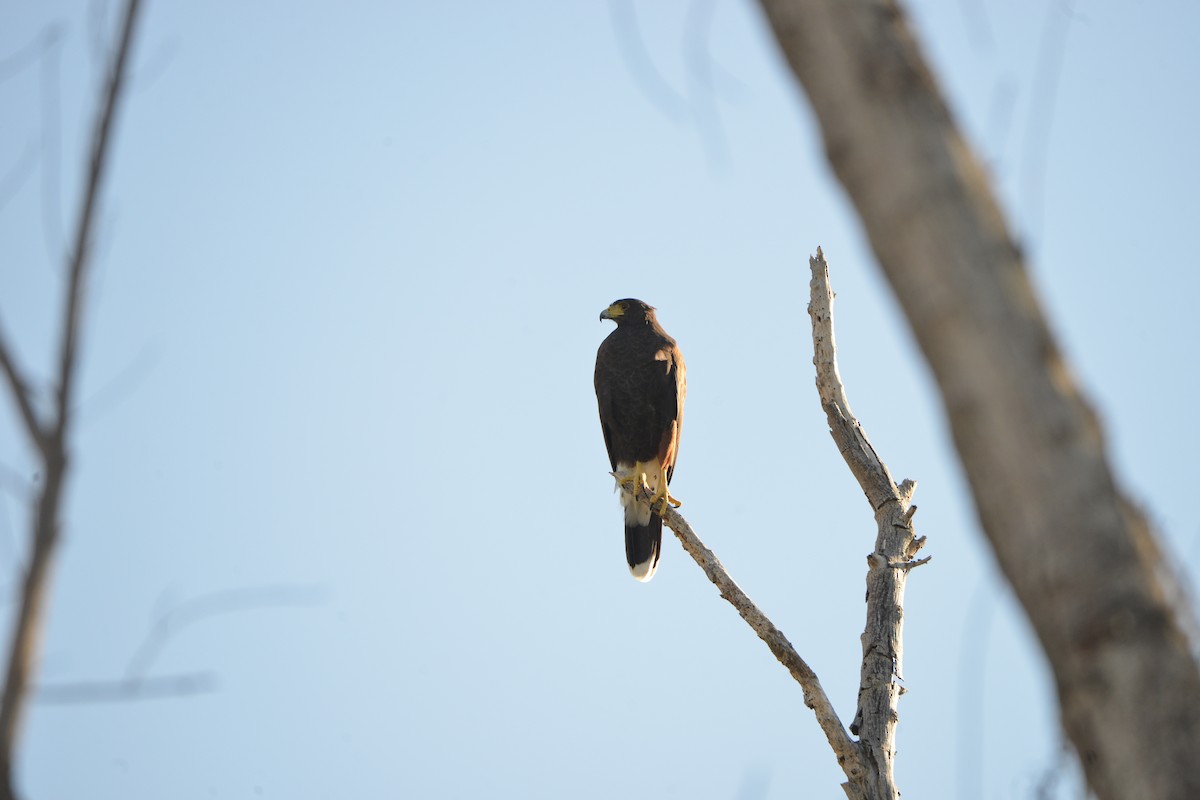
<point>81,249</point>
<point>54,451</point>
<point>638,61</point>
<point>908,566</point>
<point>698,105</point>
<point>815,698</point>
<point>210,605</point>
<point>50,133</point>
<point>136,684</point>
<point>125,690</point>
<point>1052,53</point>
<point>19,389</point>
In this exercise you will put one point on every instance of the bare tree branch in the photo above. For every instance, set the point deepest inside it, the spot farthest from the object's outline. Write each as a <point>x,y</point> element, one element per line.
<point>1082,560</point>
<point>1052,53</point>
<point>156,687</point>
<point>637,60</point>
<point>887,567</point>
<point>867,763</point>
<point>699,104</point>
<point>18,387</point>
<point>55,460</point>
<point>50,134</point>
<point>81,248</point>
<point>209,605</point>
<point>138,685</point>
<point>701,88</point>
<point>844,747</point>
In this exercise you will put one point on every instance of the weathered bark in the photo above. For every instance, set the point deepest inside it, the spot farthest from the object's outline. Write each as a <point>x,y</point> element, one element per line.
<point>867,763</point>
<point>887,567</point>
<point>844,748</point>
<point>1081,559</point>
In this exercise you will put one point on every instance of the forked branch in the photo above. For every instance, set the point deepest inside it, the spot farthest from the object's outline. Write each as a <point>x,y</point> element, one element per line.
<point>1108,608</point>
<point>844,747</point>
<point>887,566</point>
<point>868,763</point>
<point>50,436</point>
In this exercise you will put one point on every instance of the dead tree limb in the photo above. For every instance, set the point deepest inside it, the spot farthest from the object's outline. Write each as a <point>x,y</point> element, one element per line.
<point>844,747</point>
<point>867,763</point>
<point>1081,558</point>
<point>887,567</point>
<point>50,436</point>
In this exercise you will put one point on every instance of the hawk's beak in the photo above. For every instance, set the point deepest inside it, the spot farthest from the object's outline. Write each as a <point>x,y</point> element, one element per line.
<point>612,312</point>
<point>605,315</point>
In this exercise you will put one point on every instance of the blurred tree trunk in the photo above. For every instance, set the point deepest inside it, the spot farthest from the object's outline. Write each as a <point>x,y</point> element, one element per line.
<point>1081,559</point>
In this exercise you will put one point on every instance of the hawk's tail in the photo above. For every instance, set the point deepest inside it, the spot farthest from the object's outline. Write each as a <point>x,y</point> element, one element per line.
<point>643,544</point>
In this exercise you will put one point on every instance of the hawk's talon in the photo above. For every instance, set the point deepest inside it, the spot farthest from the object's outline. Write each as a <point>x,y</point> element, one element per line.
<point>627,483</point>
<point>661,499</point>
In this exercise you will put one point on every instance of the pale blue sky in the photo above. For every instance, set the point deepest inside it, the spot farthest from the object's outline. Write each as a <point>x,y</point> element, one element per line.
<point>341,341</point>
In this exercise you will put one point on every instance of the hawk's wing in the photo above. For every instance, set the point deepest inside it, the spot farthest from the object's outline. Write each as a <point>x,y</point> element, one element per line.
<point>670,406</point>
<point>604,400</point>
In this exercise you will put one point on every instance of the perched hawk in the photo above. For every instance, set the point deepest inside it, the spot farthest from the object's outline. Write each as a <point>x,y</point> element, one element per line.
<point>640,386</point>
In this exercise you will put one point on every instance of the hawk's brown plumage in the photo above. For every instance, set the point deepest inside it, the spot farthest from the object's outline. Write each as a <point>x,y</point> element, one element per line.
<point>640,388</point>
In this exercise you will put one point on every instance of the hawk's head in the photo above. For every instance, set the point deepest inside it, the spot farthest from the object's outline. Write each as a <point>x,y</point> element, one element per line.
<point>628,310</point>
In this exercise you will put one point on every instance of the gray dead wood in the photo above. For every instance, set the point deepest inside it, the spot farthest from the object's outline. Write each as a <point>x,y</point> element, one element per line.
<point>867,763</point>
<point>887,567</point>
<point>1081,558</point>
<point>844,747</point>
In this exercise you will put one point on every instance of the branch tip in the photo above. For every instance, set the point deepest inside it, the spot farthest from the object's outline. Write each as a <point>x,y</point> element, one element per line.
<point>915,546</point>
<point>876,716</point>
<point>911,565</point>
<point>23,397</point>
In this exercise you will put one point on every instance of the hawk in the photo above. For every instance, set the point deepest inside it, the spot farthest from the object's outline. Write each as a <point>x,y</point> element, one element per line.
<point>640,387</point>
